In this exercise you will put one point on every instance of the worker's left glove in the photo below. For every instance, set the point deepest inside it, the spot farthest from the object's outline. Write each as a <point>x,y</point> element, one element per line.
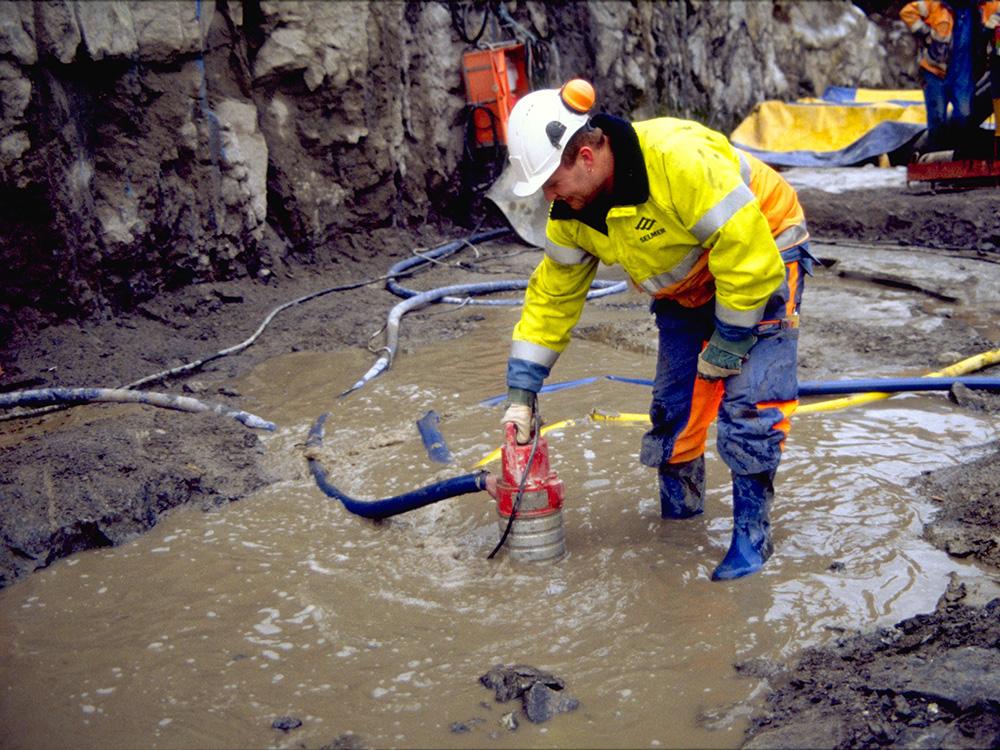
<point>722,358</point>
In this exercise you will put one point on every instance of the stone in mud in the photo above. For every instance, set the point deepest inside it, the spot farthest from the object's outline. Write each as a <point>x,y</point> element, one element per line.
<point>286,723</point>
<point>971,399</point>
<point>539,691</point>
<point>514,681</point>
<point>963,679</point>
<point>541,703</point>
<point>814,731</point>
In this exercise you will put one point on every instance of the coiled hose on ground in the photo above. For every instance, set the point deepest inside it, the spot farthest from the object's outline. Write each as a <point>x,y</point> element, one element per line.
<point>598,289</point>
<point>424,298</point>
<point>415,299</point>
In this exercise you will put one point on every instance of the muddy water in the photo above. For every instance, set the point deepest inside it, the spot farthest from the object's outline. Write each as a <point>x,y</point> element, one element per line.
<point>212,625</point>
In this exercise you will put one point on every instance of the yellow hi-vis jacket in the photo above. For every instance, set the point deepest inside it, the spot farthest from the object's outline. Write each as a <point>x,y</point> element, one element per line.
<point>690,217</point>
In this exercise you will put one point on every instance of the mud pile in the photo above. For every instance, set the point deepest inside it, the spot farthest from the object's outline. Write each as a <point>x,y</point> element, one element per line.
<point>930,681</point>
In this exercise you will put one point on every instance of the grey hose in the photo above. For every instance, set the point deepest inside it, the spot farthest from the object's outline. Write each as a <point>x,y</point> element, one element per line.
<point>396,314</point>
<point>120,395</point>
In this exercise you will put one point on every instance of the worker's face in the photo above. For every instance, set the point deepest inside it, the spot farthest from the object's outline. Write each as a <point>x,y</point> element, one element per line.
<point>577,184</point>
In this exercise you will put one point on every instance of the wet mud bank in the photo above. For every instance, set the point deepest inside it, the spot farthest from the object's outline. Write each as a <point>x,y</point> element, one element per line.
<point>99,480</point>
<point>99,475</point>
<point>929,681</point>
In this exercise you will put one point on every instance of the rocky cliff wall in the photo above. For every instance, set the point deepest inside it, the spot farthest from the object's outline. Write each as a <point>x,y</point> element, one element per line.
<point>146,145</point>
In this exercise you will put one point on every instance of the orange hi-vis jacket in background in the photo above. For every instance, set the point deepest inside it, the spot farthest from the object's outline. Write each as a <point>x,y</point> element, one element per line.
<point>990,12</point>
<point>934,19</point>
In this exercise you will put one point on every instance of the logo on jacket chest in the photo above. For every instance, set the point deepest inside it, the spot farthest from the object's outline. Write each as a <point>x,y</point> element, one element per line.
<point>645,224</point>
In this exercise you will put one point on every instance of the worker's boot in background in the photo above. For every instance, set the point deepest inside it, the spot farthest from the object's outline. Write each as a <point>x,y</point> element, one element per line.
<point>751,543</point>
<point>682,488</point>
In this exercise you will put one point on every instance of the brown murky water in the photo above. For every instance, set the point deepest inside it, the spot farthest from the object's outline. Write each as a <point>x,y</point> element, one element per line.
<point>212,625</point>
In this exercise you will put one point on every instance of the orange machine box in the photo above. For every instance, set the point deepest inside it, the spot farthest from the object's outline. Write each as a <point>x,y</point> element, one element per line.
<point>495,78</point>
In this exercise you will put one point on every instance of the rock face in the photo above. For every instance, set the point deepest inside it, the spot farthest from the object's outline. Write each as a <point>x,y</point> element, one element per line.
<point>146,145</point>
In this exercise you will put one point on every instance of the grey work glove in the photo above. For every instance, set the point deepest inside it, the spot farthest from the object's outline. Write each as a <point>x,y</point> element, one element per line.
<point>722,358</point>
<point>519,412</point>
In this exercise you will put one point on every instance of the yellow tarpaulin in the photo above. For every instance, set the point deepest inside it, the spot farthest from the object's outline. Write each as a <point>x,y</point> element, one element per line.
<point>832,131</point>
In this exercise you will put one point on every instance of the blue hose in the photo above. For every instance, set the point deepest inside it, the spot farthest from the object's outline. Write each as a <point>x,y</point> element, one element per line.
<point>893,385</point>
<point>61,395</point>
<point>414,299</point>
<point>810,387</point>
<point>432,438</point>
<point>434,254</point>
<point>390,506</point>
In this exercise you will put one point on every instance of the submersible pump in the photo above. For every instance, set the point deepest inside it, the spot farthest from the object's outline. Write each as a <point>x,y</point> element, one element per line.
<point>529,501</point>
<point>529,495</point>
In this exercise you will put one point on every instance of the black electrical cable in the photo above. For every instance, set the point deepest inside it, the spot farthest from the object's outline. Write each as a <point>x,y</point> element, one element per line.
<point>469,152</point>
<point>459,17</point>
<point>520,490</point>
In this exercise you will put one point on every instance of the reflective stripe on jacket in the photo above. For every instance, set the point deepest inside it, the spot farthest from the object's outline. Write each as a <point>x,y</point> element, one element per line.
<point>932,21</point>
<point>699,218</point>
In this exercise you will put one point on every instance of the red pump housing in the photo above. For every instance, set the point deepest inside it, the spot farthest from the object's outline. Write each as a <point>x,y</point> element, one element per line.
<point>543,489</point>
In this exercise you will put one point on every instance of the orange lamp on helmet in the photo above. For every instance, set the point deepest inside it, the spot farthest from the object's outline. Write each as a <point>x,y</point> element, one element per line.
<point>540,126</point>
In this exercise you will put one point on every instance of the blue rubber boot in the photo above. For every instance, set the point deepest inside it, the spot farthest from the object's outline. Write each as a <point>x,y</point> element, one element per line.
<point>682,489</point>
<point>751,543</point>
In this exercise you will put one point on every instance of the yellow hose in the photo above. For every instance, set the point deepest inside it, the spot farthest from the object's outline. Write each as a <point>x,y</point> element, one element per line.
<point>603,416</point>
<point>962,367</point>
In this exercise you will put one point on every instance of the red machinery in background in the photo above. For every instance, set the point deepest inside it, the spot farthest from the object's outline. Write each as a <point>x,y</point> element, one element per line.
<point>955,172</point>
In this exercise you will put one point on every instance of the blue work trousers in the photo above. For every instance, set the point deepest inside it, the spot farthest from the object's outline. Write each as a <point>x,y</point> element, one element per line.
<point>752,407</point>
<point>957,88</point>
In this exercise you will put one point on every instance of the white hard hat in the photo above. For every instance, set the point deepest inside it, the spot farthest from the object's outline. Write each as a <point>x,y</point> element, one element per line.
<point>538,129</point>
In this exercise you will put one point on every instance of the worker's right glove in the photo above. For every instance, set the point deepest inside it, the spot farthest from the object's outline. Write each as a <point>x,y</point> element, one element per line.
<point>722,358</point>
<point>520,411</point>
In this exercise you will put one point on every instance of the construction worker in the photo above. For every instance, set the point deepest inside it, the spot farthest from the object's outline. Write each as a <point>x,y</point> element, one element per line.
<point>719,241</point>
<point>946,36</point>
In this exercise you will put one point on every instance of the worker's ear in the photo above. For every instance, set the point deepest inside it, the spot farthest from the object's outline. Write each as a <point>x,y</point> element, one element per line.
<point>586,157</point>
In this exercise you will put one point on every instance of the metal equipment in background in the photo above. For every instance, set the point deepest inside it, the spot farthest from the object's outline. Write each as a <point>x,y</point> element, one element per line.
<point>975,159</point>
<point>949,171</point>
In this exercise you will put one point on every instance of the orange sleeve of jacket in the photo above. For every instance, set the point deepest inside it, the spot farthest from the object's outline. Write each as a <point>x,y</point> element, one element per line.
<point>913,15</point>
<point>991,14</point>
